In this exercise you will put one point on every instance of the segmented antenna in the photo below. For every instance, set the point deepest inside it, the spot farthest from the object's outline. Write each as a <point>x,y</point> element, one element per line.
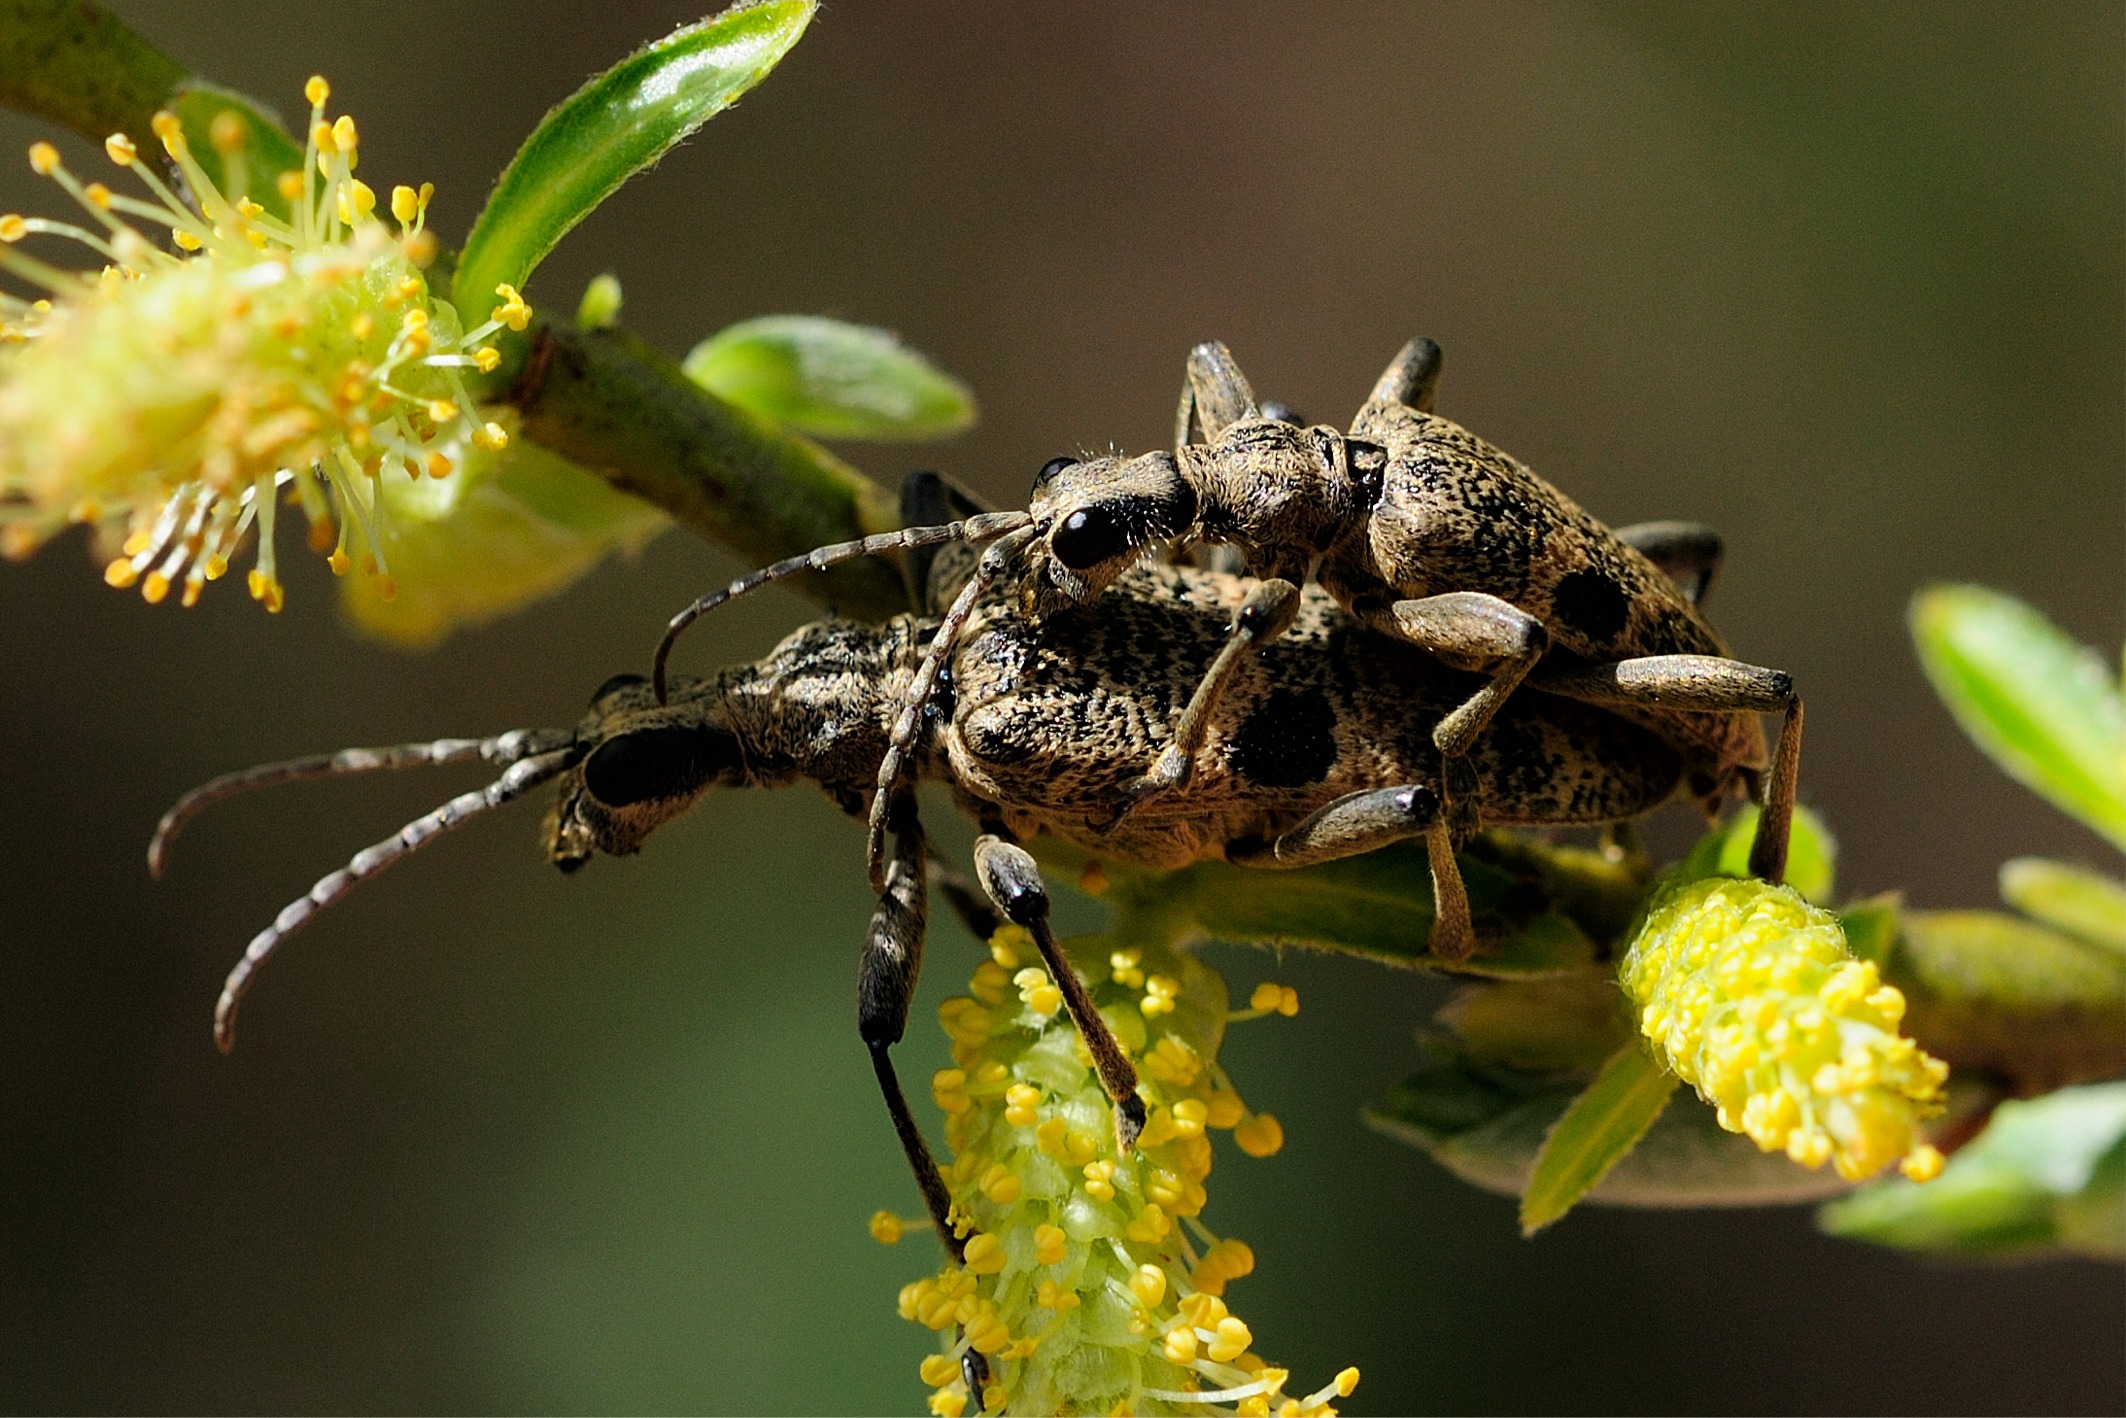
<point>503,748</point>
<point>893,766</point>
<point>519,777</point>
<point>987,526</point>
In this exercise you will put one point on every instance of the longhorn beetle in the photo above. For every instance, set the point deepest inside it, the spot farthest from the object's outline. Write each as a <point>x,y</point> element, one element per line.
<point>1420,529</point>
<point>1325,750</point>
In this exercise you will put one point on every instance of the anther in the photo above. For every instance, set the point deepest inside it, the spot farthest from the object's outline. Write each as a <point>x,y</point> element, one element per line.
<point>229,134</point>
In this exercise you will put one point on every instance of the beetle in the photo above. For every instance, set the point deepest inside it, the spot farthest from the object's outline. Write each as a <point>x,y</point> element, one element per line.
<point>1325,750</point>
<point>1424,532</point>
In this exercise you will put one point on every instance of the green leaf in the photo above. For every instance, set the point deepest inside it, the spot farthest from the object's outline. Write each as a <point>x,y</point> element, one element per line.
<point>1995,995</point>
<point>1378,906</point>
<point>1478,1125</point>
<point>2085,904</point>
<point>2047,1176</point>
<point>267,152</point>
<point>612,128</point>
<point>2046,709</point>
<point>831,379</point>
<point>1545,1025</point>
<point>1871,926</point>
<point>500,532</point>
<point>77,64</point>
<point>1599,1127</point>
<point>600,307</point>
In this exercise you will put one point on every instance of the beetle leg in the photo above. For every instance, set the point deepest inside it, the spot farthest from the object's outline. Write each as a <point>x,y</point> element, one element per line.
<point>885,987</point>
<point>1214,394</point>
<point>1362,822</point>
<point>1472,631</point>
<point>1411,377</point>
<point>1269,610</point>
<point>1688,553</point>
<point>1013,881</point>
<point>1710,684</point>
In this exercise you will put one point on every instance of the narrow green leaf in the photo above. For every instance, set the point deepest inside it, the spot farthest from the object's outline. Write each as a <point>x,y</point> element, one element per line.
<point>1600,1126</point>
<point>2046,709</point>
<point>2085,904</point>
<point>830,379</point>
<point>1489,1136</point>
<point>612,128</point>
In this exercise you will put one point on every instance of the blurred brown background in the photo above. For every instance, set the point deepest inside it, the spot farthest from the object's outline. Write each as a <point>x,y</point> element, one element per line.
<point>1844,280</point>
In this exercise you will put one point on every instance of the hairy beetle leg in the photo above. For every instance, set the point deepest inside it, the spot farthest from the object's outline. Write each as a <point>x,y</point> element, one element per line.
<point>1710,684</point>
<point>1013,881</point>
<point>1688,553</point>
<point>1214,394</point>
<point>1269,610</point>
<point>1411,377</point>
<point>1367,821</point>
<point>892,959</point>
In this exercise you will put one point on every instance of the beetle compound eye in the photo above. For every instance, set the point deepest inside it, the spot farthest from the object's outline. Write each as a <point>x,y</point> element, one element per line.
<point>1088,537</point>
<point>650,764</point>
<point>1049,470</point>
<point>619,681</point>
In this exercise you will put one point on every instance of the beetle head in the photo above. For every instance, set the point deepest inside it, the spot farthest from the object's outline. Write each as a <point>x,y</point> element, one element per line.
<point>639,764</point>
<point>1096,518</point>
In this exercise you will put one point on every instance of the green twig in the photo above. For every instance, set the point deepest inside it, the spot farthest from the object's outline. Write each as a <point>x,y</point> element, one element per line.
<point>77,64</point>
<point>607,400</point>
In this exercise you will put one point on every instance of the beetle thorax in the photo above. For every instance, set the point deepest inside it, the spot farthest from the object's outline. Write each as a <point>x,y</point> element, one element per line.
<point>820,706</point>
<point>1281,493</point>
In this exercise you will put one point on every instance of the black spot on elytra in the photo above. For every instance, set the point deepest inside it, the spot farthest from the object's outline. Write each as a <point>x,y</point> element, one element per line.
<point>1288,741</point>
<point>1591,603</point>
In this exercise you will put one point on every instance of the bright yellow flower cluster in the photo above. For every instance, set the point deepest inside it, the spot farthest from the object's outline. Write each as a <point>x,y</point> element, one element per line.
<point>1750,995</point>
<point>174,398</point>
<point>1090,1283</point>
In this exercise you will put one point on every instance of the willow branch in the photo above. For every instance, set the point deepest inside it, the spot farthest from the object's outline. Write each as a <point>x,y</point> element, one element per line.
<point>606,400</point>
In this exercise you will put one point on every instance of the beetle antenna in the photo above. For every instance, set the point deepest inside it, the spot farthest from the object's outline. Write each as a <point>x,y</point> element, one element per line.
<point>988,526</point>
<point>524,774</point>
<point>502,749</point>
<point>893,766</point>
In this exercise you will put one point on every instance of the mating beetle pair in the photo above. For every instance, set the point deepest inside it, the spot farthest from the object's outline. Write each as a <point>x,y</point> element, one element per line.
<point>1305,735</point>
<point>1417,527</point>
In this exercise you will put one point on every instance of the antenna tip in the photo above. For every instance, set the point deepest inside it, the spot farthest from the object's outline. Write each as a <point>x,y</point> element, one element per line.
<point>225,1026</point>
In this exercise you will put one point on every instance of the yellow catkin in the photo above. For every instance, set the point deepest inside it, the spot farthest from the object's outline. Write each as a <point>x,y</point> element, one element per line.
<point>304,360</point>
<point>1079,1285</point>
<point>1749,994</point>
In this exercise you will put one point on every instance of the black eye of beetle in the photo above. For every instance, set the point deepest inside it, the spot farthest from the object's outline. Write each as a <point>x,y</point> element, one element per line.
<point>1088,537</point>
<point>670,762</point>
<point>1049,469</point>
<point>619,681</point>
